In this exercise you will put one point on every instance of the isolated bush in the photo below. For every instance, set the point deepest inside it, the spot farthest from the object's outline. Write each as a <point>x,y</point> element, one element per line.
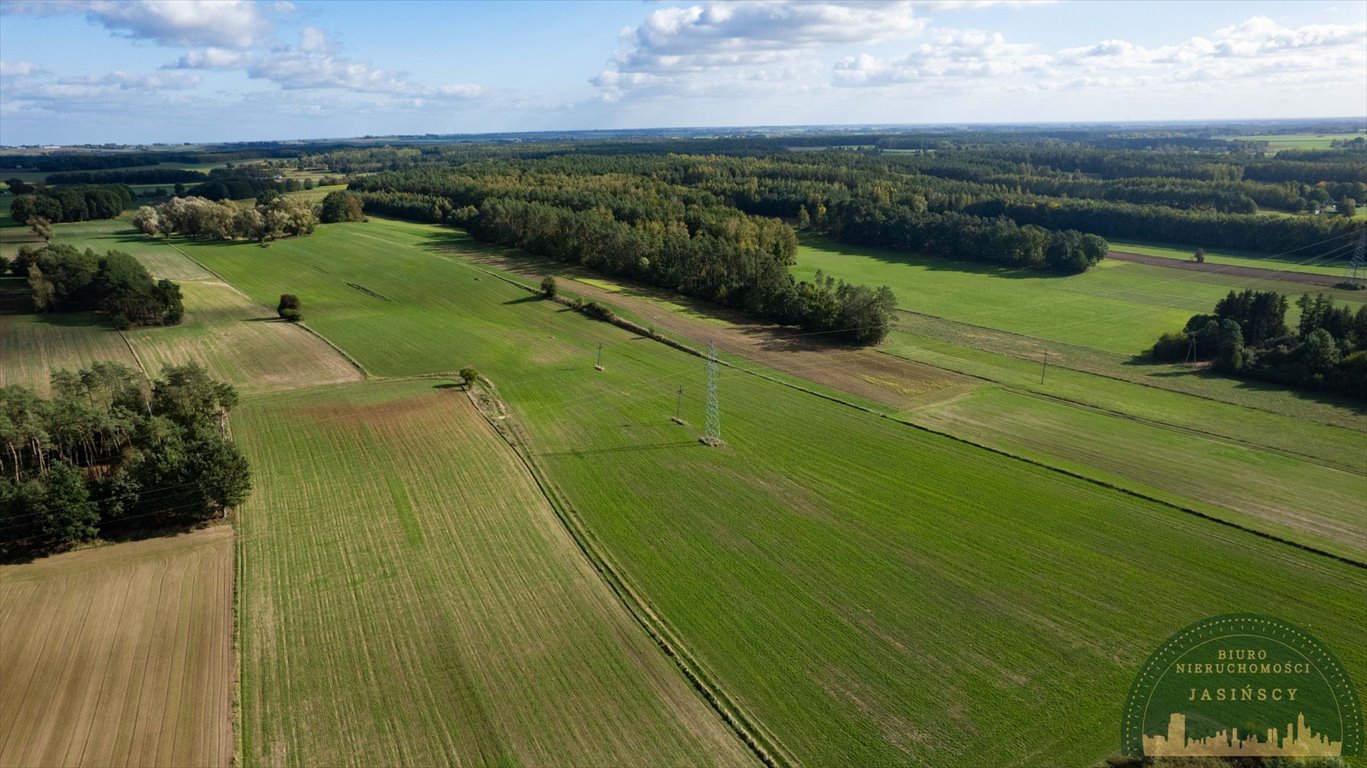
<point>289,308</point>
<point>549,289</point>
<point>468,375</point>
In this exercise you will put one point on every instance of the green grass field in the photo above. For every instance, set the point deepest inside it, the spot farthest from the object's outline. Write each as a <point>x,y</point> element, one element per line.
<point>407,596</point>
<point>1115,307</point>
<point>1292,497</point>
<point>1276,141</point>
<point>868,592</point>
<point>1310,261</point>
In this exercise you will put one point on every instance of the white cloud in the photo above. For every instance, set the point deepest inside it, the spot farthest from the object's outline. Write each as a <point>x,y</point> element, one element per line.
<point>672,46</point>
<point>221,23</point>
<point>1258,49</point>
<point>947,54</point>
<point>210,58</point>
<point>19,69</point>
<point>316,63</point>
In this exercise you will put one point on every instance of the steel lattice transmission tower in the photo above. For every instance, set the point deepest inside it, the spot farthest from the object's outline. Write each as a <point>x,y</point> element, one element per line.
<point>712,425</point>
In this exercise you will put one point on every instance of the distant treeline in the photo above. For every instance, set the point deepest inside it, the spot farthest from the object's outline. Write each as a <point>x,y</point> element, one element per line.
<point>77,202</point>
<point>106,456</point>
<point>92,161</point>
<point>138,176</point>
<point>1246,335</point>
<point>62,278</point>
<point>1205,199</point>
<point>637,227</point>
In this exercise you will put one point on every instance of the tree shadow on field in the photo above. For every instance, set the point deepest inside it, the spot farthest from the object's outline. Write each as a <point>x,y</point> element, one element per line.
<point>525,299</point>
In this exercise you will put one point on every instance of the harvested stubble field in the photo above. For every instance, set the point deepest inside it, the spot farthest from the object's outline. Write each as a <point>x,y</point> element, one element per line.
<point>120,655</point>
<point>33,346</point>
<point>408,596</point>
<point>870,593</point>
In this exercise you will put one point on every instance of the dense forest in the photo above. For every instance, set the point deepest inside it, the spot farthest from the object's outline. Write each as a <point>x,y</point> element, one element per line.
<point>108,456</point>
<point>1246,335</point>
<point>76,202</point>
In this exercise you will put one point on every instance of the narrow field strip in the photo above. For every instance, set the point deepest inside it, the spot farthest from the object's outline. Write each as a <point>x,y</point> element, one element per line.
<point>120,655</point>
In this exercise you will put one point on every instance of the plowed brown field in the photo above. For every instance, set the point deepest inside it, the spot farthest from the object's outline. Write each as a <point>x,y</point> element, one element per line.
<point>120,655</point>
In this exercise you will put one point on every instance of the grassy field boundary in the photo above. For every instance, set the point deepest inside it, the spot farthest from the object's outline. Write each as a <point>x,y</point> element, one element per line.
<point>764,745</point>
<point>1164,425</point>
<point>1099,373</point>
<point>354,362</point>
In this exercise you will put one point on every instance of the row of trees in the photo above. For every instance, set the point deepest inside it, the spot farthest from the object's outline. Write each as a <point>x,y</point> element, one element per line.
<point>107,455</point>
<point>62,278</point>
<point>274,216</point>
<point>77,202</point>
<point>1247,335</point>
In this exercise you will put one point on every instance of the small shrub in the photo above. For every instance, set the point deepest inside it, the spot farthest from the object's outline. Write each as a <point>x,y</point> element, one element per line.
<point>549,289</point>
<point>289,308</point>
<point>468,375</point>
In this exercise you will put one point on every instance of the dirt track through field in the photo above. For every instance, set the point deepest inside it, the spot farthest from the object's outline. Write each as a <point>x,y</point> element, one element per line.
<point>1227,269</point>
<point>120,655</point>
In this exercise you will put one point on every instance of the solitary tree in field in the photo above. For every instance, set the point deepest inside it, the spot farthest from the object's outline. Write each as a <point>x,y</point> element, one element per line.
<point>468,375</point>
<point>289,308</point>
<point>41,227</point>
<point>804,219</point>
<point>1200,255</point>
<point>549,289</point>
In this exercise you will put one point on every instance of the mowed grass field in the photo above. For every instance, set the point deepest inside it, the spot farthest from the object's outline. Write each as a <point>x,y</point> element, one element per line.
<point>1332,259</point>
<point>1116,306</point>
<point>1295,498</point>
<point>868,592</point>
<point>121,655</point>
<point>408,596</point>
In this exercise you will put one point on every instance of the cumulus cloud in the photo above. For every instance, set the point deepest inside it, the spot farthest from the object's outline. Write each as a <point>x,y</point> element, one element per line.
<point>19,69</point>
<point>221,23</point>
<point>210,58</point>
<point>672,44</point>
<point>1258,48</point>
<point>947,54</point>
<point>316,63</point>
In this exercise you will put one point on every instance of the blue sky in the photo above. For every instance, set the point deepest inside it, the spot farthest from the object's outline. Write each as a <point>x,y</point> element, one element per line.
<point>91,71</point>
